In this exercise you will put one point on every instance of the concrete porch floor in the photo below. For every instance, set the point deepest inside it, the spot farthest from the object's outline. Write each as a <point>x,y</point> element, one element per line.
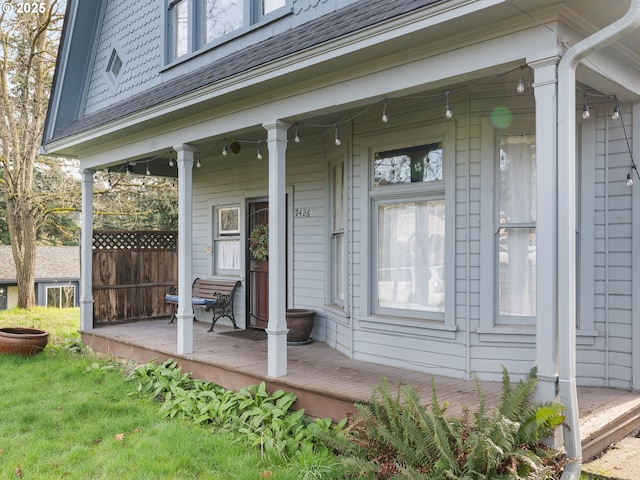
<point>327,383</point>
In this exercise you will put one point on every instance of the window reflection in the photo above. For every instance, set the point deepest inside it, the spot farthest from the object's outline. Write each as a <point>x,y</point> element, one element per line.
<point>408,165</point>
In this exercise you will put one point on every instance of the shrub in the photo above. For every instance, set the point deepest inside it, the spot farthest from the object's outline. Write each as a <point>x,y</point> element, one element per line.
<point>265,419</point>
<point>394,436</point>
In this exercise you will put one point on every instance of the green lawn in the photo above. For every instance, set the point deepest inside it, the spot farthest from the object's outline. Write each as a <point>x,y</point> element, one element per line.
<point>70,415</point>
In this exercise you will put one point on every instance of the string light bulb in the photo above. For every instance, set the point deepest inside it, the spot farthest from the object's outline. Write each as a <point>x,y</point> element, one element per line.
<point>171,159</point>
<point>385,115</point>
<point>616,110</point>
<point>147,171</point>
<point>338,142</point>
<point>296,138</point>
<point>585,109</point>
<point>198,163</point>
<point>633,167</point>
<point>447,112</point>
<point>520,87</point>
<point>259,154</point>
<point>225,152</point>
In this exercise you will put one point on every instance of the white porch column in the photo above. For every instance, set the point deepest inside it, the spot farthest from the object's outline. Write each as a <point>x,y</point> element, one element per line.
<point>86,252</point>
<point>546,97</point>
<point>277,329</point>
<point>185,310</point>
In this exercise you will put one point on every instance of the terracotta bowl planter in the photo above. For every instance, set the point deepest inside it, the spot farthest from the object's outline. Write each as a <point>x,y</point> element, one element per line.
<point>300,325</point>
<point>22,341</point>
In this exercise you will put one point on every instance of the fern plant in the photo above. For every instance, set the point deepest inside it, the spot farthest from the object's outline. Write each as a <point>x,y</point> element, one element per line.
<point>395,436</point>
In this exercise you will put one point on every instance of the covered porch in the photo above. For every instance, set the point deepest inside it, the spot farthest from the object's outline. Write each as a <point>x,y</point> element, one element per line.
<point>327,383</point>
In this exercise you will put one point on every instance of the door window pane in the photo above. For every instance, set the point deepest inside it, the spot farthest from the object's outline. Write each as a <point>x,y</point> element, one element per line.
<point>410,256</point>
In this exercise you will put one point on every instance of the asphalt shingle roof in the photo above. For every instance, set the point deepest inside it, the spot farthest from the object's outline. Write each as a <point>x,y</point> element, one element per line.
<point>352,18</point>
<point>52,263</point>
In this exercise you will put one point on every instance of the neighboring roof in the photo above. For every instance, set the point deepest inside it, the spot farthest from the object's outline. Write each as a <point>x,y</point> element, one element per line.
<point>355,16</point>
<point>52,263</point>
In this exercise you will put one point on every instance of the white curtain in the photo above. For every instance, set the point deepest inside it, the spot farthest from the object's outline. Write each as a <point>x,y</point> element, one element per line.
<point>411,256</point>
<point>517,235</point>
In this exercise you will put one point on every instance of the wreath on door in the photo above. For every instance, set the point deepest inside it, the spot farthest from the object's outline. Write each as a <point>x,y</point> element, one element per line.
<point>259,242</point>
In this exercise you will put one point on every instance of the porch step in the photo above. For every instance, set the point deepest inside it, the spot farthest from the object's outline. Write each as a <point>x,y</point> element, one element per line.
<point>613,426</point>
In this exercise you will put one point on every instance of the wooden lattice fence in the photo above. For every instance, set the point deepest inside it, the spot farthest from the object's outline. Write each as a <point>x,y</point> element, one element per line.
<point>132,272</point>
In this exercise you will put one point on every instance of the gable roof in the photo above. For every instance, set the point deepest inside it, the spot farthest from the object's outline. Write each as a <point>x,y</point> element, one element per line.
<point>352,18</point>
<point>52,263</point>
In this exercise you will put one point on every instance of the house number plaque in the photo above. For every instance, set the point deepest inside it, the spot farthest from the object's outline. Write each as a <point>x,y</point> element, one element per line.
<point>302,212</point>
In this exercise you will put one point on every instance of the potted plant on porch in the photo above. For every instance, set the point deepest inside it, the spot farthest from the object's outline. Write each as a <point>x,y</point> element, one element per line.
<point>299,320</point>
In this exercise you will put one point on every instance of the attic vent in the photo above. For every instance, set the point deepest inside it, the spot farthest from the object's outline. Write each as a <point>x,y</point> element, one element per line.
<point>115,64</point>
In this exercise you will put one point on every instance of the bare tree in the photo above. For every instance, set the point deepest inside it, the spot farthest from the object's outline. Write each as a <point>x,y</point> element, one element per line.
<point>28,41</point>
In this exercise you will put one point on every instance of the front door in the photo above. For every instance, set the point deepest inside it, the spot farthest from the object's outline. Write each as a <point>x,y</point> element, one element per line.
<point>257,263</point>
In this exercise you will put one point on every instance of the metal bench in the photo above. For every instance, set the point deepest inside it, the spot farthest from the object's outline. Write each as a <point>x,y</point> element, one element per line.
<point>214,295</point>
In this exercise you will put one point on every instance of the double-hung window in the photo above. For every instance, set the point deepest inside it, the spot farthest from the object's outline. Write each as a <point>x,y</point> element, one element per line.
<point>409,231</point>
<point>226,240</point>
<point>516,229</point>
<point>194,24</point>
<point>337,234</point>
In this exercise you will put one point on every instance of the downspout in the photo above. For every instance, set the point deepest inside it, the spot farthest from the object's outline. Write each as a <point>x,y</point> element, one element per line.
<point>567,225</point>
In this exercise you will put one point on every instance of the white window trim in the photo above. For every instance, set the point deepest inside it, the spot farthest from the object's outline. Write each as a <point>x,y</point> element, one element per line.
<point>332,300</point>
<point>214,205</point>
<point>397,138</point>
<point>60,287</point>
<point>488,278</point>
<point>252,20</point>
<point>114,81</point>
<point>586,228</point>
<point>523,124</point>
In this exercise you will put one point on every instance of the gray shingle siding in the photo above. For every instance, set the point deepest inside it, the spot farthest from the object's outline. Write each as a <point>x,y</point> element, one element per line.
<point>136,34</point>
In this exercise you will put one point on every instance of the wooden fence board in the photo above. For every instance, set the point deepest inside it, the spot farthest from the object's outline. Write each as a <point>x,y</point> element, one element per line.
<point>132,271</point>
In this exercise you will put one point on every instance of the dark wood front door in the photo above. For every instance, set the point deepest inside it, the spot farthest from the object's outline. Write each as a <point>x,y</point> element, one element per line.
<point>257,268</point>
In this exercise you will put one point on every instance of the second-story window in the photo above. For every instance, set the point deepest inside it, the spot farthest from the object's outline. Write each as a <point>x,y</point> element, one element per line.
<point>221,17</point>
<point>193,24</point>
<point>180,24</point>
